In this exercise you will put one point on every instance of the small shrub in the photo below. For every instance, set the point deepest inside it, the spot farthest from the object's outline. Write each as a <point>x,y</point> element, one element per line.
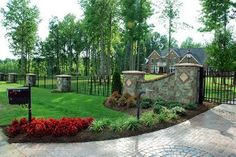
<point>45,127</point>
<point>131,124</point>
<point>172,104</point>
<point>191,106</point>
<point>179,110</point>
<point>116,83</point>
<point>146,103</point>
<point>131,102</point>
<point>127,95</point>
<point>121,102</point>
<point>149,119</point>
<point>110,101</point>
<point>117,126</point>
<point>99,125</point>
<point>166,115</point>
<point>116,95</point>
<point>157,108</point>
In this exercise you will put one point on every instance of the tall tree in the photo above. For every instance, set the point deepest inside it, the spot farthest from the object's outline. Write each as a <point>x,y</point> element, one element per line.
<point>189,43</point>
<point>21,20</point>
<point>170,14</point>
<point>135,14</point>
<point>215,17</point>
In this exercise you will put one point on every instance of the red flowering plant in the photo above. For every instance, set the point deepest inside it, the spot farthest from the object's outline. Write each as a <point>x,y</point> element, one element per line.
<point>45,127</point>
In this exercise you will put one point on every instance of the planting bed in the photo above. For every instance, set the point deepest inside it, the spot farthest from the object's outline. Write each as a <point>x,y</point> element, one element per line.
<point>85,135</point>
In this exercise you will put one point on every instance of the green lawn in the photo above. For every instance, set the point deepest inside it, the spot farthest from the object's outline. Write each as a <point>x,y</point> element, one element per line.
<point>152,76</point>
<point>55,105</point>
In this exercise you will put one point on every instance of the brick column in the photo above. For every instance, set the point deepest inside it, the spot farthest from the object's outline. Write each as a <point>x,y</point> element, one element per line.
<point>31,79</point>
<point>187,83</point>
<point>12,77</point>
<point>64,83</point>
<point>130,81</point>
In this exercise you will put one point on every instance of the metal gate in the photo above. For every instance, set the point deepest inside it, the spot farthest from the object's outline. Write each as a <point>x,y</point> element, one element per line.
<point>217,86</point>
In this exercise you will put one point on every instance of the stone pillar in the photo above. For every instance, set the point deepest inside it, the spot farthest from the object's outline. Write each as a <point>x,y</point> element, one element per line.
<point>187,83</point>
<point>31,79</point>
<point>64,83</point>
<point>1,76</point>
<point>12,77</point>
<point>130,81</point>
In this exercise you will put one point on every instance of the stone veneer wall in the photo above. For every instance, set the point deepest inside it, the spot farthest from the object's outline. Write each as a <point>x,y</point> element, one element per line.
<point>130,81</point>
<point>162,87</point>
<point>64,83</point>
<point>31,79</point>
<point>187,83</point>
<point>183,86</point>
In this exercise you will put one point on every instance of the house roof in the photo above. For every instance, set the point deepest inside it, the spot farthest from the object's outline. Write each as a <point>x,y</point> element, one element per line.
<point>197,53</point>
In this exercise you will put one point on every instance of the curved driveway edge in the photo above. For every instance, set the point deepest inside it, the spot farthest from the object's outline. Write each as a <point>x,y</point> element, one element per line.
<point>212,133</point>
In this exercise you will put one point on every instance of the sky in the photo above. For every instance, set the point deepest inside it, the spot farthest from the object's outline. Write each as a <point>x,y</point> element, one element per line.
<point>189,13</point>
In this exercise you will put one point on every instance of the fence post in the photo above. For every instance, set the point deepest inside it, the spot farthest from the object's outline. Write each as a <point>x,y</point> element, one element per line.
<point>44,81</point>
<point>91,85</point>
<point>77,84</point>
<point>201,86</point>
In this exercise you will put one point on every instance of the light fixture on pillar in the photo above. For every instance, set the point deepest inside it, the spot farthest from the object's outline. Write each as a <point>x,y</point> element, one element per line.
<point>188,55</point>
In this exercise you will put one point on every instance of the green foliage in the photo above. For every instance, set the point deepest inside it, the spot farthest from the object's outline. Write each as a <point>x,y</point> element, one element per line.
<point>99,125</point>
<point>157,108</point>
<point>179,110</point>
<point>149,119</point>
<point>221,52</point>
<point>116,82</point>
<point>131,124</point>
<point>215,14</point>
<point>170,14</point>
<point>146,103</point>
<point>166,115</point>
<point>191,106</point>
<point>117,126</point>
<point>21,20</point>
<point>189,43</point>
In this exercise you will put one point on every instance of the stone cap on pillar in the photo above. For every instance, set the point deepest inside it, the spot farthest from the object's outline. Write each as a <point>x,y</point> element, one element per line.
<point>133,72</point>
<point>12,73</point>
<point>188,65</point>
<point>63,76</point>
<point>30,74</point>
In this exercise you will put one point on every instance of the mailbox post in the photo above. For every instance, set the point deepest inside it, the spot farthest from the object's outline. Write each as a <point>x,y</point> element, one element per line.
<point>21,96</point>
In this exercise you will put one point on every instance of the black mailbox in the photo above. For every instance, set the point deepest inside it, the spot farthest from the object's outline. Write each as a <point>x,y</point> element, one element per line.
<point>19,96</point>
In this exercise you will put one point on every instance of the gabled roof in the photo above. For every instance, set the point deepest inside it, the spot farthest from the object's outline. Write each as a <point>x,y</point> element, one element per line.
<point>198,53</point>
<point>153,52</point>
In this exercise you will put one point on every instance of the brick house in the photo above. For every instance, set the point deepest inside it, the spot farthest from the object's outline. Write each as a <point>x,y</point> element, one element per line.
<point>164,61</point>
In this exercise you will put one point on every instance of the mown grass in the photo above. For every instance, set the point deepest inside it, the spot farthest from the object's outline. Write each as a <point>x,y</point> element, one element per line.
<point>56,105</point>
<point>152,76</point>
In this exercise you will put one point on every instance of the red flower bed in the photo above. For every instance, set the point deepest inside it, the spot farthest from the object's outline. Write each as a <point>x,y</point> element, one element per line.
<point>45,127</point>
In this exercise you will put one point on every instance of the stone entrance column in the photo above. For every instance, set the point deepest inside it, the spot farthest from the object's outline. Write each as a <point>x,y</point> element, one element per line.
<point>1,76</point>
<point>187,83</point>
<point>64,83</point>
<point>131,79</point>
<point>31,79</point>
<point>12,77</point>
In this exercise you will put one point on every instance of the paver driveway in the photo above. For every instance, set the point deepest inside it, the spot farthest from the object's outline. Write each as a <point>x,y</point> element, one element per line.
<point>212,133</point>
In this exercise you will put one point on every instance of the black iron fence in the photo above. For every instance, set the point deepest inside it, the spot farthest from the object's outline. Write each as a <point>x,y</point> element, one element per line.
<point>218,86</point>
<point>90,85</point>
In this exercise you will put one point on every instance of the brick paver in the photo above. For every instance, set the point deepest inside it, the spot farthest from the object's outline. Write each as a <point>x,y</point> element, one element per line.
<point>212,133</point>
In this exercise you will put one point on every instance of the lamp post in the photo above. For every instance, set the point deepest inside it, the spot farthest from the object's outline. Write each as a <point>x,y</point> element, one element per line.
<point>139,102</point>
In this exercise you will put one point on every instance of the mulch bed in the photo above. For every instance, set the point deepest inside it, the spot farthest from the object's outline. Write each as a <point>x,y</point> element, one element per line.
<point>86,135</point>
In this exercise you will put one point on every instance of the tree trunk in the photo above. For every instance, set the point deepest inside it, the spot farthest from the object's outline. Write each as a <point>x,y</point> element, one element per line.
<point>170,29</point>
